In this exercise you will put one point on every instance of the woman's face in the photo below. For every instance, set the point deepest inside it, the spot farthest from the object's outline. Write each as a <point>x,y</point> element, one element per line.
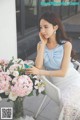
<point>46,28</point>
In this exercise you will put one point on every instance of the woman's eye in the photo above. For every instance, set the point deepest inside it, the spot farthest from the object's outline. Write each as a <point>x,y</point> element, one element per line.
<point>46,26</point>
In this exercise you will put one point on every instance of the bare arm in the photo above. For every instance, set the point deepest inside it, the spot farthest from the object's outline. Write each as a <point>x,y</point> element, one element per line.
<point>40,54</point>
<point>40,51</point>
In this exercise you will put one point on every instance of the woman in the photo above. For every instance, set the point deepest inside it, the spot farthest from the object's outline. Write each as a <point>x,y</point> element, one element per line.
<point>54,53</point>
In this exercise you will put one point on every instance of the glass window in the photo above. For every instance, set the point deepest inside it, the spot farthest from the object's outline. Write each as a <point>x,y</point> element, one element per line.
<point>57,2</point>
<point>18,15</point>
<point>30,13</point>
<point>72,9</point>
<point>65,9</point>
<point>45,6</point>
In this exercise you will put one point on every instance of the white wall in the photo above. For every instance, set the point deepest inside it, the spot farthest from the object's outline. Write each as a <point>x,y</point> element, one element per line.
<point>8,40</point>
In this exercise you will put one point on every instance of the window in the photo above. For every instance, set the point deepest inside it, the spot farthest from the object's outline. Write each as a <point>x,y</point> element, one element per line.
<point>30,13</point>
<point>18,15</point>
<point>72,9</point>
<point>45,7</point>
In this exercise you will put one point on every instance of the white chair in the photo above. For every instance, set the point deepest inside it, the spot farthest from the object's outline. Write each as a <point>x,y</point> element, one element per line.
<point>76,65</point>
<point>55,95</point>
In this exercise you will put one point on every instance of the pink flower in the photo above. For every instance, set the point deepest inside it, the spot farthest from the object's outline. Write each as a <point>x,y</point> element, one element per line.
<point>4,82</point>
<point>1,68</point>
<point>23,85</point>
<point>14,82</point>
<point>14,67</point>
<point>3,62</point>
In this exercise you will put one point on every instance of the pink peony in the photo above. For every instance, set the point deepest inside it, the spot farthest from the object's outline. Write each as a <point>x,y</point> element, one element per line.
<point>3,62</point>
<point>14,67</point>
<point>23,85</point>
<point>4,82</point>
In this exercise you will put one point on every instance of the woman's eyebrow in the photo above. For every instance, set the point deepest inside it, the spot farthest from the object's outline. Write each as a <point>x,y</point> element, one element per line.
<point>43,25</point>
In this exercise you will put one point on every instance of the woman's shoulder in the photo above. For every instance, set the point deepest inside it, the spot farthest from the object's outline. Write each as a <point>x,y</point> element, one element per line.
<point>68,44</point>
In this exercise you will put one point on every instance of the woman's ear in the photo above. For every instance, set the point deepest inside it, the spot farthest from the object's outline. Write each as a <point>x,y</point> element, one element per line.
<point>56,27</point>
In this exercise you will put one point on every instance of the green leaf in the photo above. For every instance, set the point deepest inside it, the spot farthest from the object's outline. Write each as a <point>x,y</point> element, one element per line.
<point>9,64</point>
<point>37,93</point>
<point>9,100</point>
<point>3,95</point>
<point>19,61</point>
<point>31,94</point>
<point>43,92</point>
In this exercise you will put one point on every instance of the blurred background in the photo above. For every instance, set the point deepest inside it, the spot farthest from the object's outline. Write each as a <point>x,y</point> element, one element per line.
<point>27,15</point>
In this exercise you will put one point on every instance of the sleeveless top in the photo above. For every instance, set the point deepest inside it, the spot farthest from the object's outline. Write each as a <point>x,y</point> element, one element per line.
<point>53,57</point>
<point>52,61</point>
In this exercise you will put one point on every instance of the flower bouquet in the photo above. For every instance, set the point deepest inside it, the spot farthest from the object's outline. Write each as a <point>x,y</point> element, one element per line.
<point>15,84</point>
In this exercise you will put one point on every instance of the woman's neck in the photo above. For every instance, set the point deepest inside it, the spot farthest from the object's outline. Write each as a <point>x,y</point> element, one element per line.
<point>52,40</point>
<point>52,43</point>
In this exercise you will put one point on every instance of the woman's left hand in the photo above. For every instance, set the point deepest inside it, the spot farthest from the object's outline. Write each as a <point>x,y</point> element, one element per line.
<point>32,70</point>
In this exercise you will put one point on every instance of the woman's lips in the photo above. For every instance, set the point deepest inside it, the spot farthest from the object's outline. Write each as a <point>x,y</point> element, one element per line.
<point>45,35</point>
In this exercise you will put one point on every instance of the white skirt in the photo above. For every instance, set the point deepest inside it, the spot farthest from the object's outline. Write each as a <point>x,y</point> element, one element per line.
<point>70,89</point>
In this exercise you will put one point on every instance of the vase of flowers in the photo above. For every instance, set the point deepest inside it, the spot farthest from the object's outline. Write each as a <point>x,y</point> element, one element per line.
<point>18,108</point>
<point>15,84</point>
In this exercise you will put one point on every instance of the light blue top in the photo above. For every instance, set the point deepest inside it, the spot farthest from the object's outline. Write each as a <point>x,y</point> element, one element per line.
<point>53,57</point>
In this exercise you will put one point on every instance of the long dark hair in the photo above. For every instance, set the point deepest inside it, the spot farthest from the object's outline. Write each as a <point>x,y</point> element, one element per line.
<point>60,33</point>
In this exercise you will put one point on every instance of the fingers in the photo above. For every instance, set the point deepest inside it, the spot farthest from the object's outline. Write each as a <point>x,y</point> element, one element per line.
<point>29,71</point>
<point>32,70</point>
<point>40,35</point>
<point>42,38</point>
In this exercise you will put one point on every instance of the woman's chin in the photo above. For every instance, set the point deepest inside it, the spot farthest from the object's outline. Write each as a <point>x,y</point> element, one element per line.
<point>46,37</point>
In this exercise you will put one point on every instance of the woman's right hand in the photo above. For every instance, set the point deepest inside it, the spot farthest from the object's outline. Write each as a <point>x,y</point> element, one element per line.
<point>42,38</point>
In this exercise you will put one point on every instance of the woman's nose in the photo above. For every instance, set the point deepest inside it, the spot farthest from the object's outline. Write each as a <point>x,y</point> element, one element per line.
<point>42,30</point>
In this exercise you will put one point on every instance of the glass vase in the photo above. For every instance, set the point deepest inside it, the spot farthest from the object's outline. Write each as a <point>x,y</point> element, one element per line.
<point>18,108</point>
